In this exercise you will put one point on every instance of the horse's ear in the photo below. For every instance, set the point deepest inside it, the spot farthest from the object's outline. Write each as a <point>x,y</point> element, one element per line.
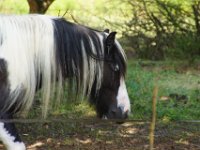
<point>110,40</point>
<point>106,30</point>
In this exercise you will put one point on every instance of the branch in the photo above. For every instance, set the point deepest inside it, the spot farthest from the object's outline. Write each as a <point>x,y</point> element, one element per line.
<point>196,12</point>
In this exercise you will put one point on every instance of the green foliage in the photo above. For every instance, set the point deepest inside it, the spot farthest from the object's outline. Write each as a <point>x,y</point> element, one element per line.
<point>164,28</point>
<point>155,30</point>
<point>13,6</point>
<point>182,45</point>
<point>98,14</point>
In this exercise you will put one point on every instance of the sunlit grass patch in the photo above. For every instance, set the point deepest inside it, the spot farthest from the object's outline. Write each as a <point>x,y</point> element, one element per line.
<point>75,110</point>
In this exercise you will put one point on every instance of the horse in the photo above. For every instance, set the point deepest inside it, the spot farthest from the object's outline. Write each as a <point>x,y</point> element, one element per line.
<point>40,52</point>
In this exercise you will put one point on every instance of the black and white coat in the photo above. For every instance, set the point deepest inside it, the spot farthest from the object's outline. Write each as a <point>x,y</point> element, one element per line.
<point>43,52</point>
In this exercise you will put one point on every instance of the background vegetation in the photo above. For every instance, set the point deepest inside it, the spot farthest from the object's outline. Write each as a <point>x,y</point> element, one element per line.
<point>149,29</point>
<point>161,39</point>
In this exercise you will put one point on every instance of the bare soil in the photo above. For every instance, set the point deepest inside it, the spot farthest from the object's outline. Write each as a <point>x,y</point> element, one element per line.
<point>93,134</point>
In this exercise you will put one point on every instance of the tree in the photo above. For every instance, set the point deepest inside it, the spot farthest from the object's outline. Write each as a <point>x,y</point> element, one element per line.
<point>196,12</point>
<point>39,6</point>
<point>163,29</point>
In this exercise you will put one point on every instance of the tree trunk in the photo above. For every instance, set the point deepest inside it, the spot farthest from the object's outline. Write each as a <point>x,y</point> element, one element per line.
<point>196,12</point>
<point>39,6</point>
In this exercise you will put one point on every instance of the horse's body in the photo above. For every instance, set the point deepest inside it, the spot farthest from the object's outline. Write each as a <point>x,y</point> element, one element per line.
<point>43,52</point>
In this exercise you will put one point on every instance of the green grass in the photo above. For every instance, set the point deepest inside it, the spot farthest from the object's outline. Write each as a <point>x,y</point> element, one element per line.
<point>172,78</point>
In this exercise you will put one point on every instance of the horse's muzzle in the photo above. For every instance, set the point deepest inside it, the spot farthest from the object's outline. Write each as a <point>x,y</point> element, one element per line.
<point>117,113</point>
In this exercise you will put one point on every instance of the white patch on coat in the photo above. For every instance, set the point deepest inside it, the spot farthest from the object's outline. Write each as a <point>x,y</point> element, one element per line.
<point>8,140</point>
<point>122,97</point>
<point>29,49</point>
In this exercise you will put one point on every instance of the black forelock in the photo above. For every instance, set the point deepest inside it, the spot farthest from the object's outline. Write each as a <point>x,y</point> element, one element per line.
<point>115,57</point>
<point>121,62</point>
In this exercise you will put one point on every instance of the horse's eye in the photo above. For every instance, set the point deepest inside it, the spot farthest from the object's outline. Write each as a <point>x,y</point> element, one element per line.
<point>116,68</point>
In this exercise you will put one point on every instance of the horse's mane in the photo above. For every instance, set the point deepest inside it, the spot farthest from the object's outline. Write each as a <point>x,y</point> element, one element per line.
<point>38,48</point>
<point>75,47</point>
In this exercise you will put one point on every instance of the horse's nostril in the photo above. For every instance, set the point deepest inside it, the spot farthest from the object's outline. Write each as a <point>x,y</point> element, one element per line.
<point>117,113</point>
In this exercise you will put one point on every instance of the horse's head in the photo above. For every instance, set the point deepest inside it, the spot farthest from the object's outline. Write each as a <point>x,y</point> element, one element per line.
<point>112,100</point>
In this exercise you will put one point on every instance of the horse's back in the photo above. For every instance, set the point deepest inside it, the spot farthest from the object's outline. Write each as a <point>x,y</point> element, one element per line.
<point>28,51</point>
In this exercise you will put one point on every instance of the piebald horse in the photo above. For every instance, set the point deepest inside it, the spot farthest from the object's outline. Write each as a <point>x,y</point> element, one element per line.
<point>39,52</point>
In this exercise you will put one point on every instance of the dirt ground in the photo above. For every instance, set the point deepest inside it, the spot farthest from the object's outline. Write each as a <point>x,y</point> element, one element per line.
<point>93,134</point>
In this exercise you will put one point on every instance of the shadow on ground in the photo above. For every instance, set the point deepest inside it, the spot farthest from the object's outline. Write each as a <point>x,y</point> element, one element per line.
<point>90,134</point>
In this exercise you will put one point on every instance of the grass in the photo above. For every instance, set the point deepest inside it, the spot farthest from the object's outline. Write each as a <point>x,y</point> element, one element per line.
<point>179,89</point>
